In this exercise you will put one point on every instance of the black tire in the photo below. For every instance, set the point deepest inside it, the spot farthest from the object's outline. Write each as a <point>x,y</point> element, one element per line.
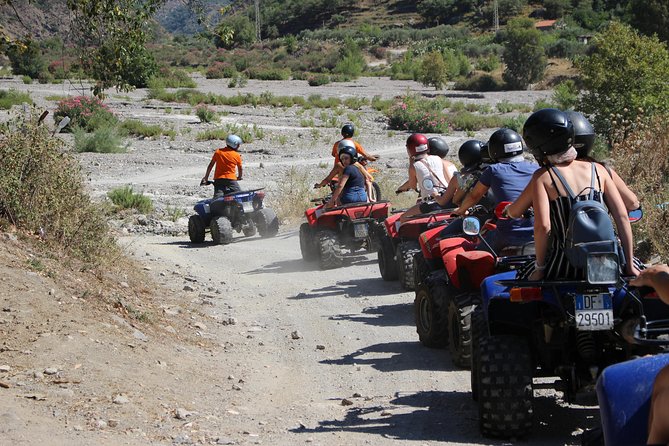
<point>386,258</point>
<point>505,387</point>
<point>479,332</point>
<point>430,315</point>
<point>420,269</point>
<point>221,230</point>
<point>405,251</point>
<point>267,222</point>
<point>329,250</point>
<point>460,308</point>
<point>307,243</point>
<point>196,229</point>
<point>250,229</point>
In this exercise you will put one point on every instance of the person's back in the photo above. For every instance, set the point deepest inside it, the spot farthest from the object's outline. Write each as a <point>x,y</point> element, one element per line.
<point>430,167</point>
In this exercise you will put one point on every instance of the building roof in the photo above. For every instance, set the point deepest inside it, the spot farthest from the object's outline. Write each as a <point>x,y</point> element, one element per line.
<point>545,23</point>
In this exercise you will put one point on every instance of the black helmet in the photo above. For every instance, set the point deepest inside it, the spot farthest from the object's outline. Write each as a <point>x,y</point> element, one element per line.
<point>437,146</point>
<point>348,130</point>
<point>346,146</point>
<point>505,143</point>
<point>485,154</point>
<point>470,154</point>
<point>584,134</point>
<point>548,131</point>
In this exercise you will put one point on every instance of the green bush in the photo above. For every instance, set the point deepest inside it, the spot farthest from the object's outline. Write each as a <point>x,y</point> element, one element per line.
<point>26,79</point>
<point>138,128</point>
<point>26,58</point>
<point>318,79</point>
<point>412,114</point>
<point>565,95</point>
<point>483,82</point>
<point>220,70</point>
<point>205,114</point>
<point>101,140</point>
<point>467,121</point>
<point>8,98</point>
<point>171,78</point>
<point>488,64</point>
<point>42,191</point>
<point>125,198</point>
<point>269,74</point>
<point>85,112</point>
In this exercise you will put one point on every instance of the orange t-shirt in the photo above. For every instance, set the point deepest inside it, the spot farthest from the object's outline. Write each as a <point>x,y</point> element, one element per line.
<point>358,148</point>
<point>226,161</point>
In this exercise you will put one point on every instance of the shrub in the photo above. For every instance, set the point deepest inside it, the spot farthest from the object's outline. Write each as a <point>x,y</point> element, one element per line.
<point>269,74</point>
<point>59,68</point>
<point>238,80</point>
<point>488,64</point>
<point>8,98</point>
<point>433,71</point>
<point>85,112</point>
<point>102,140</point>
<point>26,58</point>
<point>171,78</point>
<point>484,82</point>
<point>205,114</point>
<point>42,190</point>
<point>294,194</point>
<point>220,70</point>
<point>542,103</point>
<point>418,115</point>
<point>26,80</point>
<point>565,95</point>
<point>318,79</point>
<point>467,121</point>
<point>641,155</point>
<point>523,55</point>
<point>138,128</point>
<point>125,198</point>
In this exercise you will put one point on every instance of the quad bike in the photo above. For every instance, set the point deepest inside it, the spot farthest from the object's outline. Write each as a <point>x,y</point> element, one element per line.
<point>446,299</point>
<point>353,226</point>
<point>239,211</point>
<point>398,243</point>
<point>571,329</point>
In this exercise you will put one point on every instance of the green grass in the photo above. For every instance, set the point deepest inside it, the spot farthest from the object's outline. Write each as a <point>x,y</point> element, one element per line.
<point>8,98</point>
<point>135,127</point>
<point>125,198</point>
<point>102,140</point>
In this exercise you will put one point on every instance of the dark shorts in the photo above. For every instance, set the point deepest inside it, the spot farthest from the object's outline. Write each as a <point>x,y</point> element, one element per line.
<point>224,186</point>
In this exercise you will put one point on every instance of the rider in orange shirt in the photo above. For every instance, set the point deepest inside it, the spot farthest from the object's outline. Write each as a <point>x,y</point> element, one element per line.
<point>347,132</point>
<point>228,163</point>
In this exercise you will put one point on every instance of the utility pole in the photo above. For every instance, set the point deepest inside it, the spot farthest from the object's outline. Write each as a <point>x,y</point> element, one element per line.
<point>257,5</point>
<point>495,18</point>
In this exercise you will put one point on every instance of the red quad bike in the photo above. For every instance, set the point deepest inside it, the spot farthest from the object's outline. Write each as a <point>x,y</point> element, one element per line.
<point>398,243</point>
<point>327,231</point>
<point>447,297</point>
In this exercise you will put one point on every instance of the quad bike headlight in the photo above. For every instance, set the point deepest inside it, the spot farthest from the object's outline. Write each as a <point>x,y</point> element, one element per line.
<point>602,268</point>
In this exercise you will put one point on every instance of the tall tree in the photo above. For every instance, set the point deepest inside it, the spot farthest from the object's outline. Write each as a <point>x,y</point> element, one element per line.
<point>112,40</point>
<point>651,17</point>
<point>624,75</point>
<point>524,55</point>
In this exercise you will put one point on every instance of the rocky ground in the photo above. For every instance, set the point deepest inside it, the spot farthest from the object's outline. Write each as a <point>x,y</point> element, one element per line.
<point>236,344</point>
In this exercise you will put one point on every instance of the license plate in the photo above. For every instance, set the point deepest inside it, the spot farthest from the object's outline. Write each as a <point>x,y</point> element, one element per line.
<point>247,206</point>
<point>360,230</point>
<point>593,312</point>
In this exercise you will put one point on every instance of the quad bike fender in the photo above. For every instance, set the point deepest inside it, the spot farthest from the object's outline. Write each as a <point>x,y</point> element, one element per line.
<point>429,243</point>
<point>449,249</point>
<point>473,267</point>
<point>392,223</point>
<point>624,391</point>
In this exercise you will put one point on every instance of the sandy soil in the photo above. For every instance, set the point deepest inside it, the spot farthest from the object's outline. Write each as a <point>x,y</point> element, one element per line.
<point>236,344</point>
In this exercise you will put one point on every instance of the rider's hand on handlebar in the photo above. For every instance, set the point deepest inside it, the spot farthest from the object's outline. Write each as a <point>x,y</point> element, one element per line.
<point>318,186</point>
<point>204,182</point>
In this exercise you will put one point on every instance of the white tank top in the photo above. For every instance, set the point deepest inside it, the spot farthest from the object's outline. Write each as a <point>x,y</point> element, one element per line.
<point>422,173</point>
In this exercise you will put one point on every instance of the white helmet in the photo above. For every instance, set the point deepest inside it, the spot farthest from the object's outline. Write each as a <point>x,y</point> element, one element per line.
<point>233,141</point>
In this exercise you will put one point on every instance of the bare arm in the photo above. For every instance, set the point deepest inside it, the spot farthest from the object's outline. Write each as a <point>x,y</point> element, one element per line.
<point>657,277</point>
<point>542,225</point>
<point>473,197</point>
<point>448,169</point>
<point>241,171</point>
<point>337,192</point>
<point>209,167</point>
<point>617,209</point>
<point>629,198</point>
<point>336,170</point>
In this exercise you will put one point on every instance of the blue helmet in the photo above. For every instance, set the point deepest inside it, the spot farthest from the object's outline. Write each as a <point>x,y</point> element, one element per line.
<point>233,141</point>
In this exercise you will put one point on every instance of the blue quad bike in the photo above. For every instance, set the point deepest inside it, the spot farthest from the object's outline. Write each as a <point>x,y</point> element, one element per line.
<point>239,211</point>
<point>570,329</point>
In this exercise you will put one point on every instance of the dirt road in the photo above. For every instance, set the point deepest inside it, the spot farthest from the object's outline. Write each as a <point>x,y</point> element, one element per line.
<point>356,374</point>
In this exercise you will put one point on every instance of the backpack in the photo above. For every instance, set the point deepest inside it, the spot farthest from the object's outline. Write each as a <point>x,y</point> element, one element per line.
<point>589,228</point>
